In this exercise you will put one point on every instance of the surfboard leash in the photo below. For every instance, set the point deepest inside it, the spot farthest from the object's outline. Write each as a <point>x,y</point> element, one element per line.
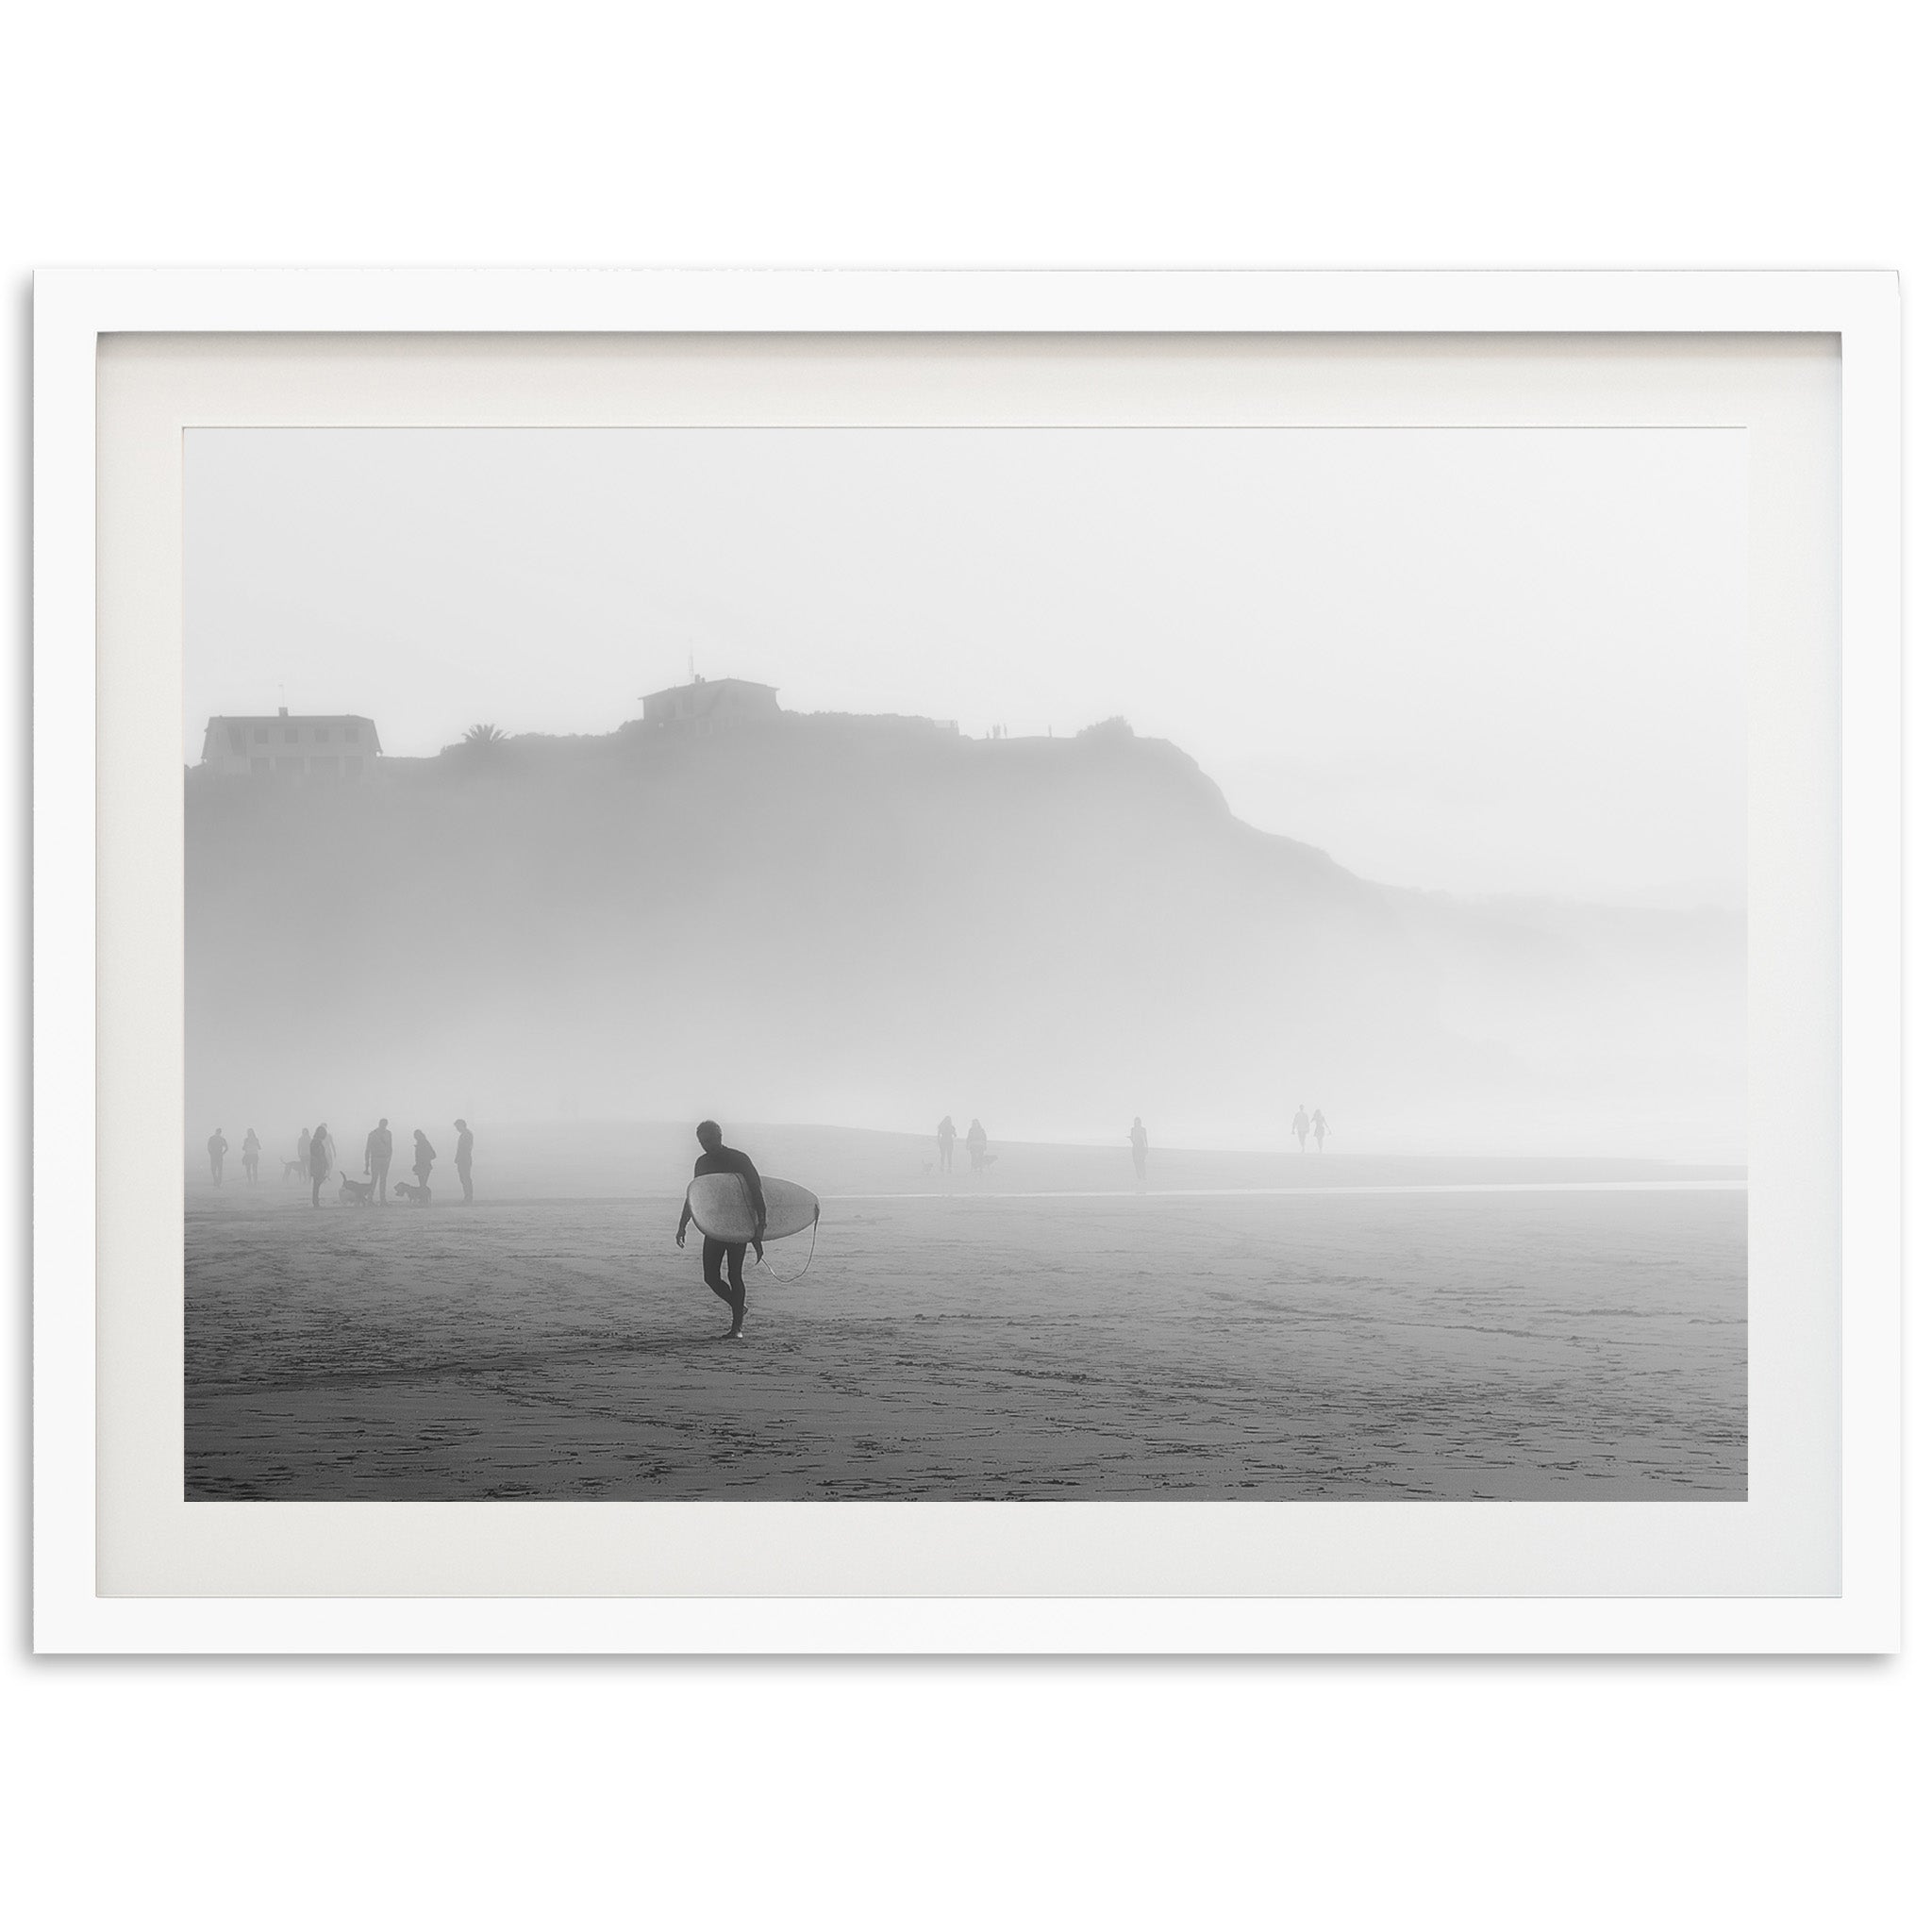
<point>786,1280</point>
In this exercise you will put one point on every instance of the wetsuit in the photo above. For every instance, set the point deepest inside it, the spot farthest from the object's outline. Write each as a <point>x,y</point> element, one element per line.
<point>720,1254</point>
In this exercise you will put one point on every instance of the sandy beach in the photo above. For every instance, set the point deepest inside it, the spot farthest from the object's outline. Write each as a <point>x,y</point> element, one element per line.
<point>1372,1332</point>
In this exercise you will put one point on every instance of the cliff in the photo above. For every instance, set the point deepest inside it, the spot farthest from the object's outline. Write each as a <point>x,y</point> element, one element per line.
<point>873,921</point>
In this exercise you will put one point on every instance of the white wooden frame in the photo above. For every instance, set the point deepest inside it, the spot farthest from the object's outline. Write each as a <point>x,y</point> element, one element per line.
<point>75,309</point>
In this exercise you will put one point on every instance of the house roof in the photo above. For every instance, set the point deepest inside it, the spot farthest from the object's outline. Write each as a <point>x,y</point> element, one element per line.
<point>675,691</point>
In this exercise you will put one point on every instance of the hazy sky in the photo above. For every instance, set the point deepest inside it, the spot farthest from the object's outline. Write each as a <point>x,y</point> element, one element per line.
<point>1483,661</point>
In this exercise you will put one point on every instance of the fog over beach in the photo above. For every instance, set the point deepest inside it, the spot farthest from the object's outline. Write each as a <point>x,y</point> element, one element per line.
<point>1417,779</point>
<point>868,921</point>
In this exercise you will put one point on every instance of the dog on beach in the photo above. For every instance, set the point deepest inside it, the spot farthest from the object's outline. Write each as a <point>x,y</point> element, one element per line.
<point>419,1197</point>
<point>292,1171</point>
<point>361,1192</point>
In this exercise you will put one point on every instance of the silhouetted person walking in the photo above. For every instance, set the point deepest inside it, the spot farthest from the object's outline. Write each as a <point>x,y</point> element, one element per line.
<point>719,1158</point>
<point>322,1161</point>
<point>465,1142</point>
<point>1301,1126</point>
<point>378,1152</point>
<point>425,1154</point>
<point>948,1134</point>
<point>217,1149</point>
<point>302,1150</point>
<point>975,1146</point>
<point>1321,1130</point>
<point>251,1154</point>
<point>1137,1134</point>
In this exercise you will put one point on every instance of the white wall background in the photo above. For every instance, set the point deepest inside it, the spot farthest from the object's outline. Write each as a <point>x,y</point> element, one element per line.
<point>1393,134</point>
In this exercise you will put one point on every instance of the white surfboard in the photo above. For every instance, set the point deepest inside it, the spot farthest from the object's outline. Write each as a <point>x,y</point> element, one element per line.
<point>721,1205</point>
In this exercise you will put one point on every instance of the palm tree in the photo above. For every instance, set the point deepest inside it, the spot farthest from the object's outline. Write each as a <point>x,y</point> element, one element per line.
<point>484,738</point>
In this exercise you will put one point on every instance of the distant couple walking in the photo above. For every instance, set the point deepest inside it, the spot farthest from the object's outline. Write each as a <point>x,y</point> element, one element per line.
<point>218,1153</point>
<point>1303,1124</point>
<point>976,1145</point>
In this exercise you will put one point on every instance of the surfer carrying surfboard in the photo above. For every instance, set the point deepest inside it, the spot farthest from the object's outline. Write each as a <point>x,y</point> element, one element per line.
<point>725,1261</point>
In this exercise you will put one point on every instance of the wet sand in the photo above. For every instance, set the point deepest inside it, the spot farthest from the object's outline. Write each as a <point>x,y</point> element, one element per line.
<point>1343,1344</point>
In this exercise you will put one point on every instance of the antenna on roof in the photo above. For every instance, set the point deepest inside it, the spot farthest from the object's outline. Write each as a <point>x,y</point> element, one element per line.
<point>690,665</point>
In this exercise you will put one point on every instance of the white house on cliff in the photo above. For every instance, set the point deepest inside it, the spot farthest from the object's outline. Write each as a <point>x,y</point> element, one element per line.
<point>343,746</point>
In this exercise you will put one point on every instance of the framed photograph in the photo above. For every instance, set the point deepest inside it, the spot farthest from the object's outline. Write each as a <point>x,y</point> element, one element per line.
<point>966,962</point>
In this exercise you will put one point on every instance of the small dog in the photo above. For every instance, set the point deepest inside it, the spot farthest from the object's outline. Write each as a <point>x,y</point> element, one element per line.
<point>293,1171</point>
<point>361,1192</point>
<point>419,1197</point>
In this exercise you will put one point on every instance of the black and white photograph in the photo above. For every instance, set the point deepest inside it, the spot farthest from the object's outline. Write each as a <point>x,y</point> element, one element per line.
<point>1015,964</point>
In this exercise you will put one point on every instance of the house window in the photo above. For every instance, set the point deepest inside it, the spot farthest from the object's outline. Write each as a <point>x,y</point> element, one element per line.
<point>323,768</point>
<point>352,734</point>
<point>258,767</point>
<point>322,734</point>
<point>235,740</point>
<point>352,766</point>
<point>290,734</point>
<point>261,734</point>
